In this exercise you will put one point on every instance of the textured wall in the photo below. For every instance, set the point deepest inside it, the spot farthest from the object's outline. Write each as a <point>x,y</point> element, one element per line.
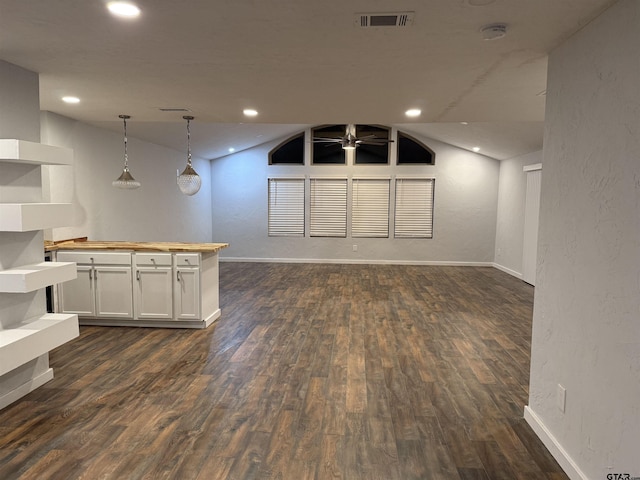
<point>156,211</point>
<point>466,192</point>
<point>586,333</point>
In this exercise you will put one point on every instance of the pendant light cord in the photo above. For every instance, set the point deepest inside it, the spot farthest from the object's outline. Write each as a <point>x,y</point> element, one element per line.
<point>126,156</point>
<point>188,140</point>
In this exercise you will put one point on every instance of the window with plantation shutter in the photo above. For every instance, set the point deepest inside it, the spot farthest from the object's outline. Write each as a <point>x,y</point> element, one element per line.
<point>370,208</point>
<point>286,207</point>
<point>328,207</point>
<point>414,208</point>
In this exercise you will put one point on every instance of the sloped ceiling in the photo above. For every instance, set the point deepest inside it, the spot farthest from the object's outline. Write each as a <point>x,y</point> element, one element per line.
<point>298,63</point>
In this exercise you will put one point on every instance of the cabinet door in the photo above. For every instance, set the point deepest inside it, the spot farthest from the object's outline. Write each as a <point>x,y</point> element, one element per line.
<point>153,293</point>
<point>78,296</point>
<point>113,292</point>
<point>187,294</point>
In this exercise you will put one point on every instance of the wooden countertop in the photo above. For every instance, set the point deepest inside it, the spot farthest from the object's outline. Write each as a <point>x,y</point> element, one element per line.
<point>136,246</point>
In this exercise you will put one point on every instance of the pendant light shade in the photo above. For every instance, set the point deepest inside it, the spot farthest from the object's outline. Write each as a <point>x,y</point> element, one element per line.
<point>189,182</point>
<point>125,180</point>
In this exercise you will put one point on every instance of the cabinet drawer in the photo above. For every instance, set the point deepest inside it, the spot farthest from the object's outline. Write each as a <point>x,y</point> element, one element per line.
<point>152,259</point>
<point>187,259</point>
<point>95,258</point>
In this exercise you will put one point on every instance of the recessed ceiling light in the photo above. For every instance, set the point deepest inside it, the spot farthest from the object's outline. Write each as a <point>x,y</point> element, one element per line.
<point>476,149</point>
<point>123,9</point>
<point>413,112</point>
<point>464,123</point>
<point>71,99</point>
<point>231,150</point>
<point>250,112</point>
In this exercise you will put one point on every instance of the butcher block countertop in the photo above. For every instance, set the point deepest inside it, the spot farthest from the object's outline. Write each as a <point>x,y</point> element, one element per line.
<point>135,246</point>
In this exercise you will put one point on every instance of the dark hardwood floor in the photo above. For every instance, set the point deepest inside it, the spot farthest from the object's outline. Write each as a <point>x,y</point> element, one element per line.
<point>313,371</point>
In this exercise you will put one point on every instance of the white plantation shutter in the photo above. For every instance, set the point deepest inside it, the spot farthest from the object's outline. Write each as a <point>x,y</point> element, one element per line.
<point>328,207</point>
<point>370,208</point>
<point>286,207</point>
<point>414,208</point>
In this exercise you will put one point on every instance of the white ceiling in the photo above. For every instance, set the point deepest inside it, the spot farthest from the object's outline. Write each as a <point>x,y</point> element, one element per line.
<point>298,63</point>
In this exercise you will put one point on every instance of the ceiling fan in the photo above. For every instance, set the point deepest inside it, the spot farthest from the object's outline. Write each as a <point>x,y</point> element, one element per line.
<point>349,141</point>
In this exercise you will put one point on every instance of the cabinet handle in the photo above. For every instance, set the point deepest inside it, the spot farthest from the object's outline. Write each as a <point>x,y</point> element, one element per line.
<point>90,274</point>
<point>138,275</point>
<point>178,275</point>
<point>95,274</point>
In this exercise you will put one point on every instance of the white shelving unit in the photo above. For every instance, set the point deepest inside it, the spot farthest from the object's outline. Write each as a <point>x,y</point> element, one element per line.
<point>26,342</point>
<point>29,278</point>
<point>26,217</point>
<point>21,151</point>
<point>31,338</point>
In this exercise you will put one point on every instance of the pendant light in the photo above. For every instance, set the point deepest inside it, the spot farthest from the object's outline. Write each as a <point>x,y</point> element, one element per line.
<point>189,181</point>
<point>125,180</point>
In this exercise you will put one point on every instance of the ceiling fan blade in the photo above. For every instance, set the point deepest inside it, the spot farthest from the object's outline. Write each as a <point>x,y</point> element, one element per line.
<point>327,140</point>
<point>380,141</point>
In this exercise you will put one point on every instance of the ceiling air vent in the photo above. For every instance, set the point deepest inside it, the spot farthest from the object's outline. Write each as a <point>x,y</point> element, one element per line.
<point>396,19</point>
<point>173,109</point>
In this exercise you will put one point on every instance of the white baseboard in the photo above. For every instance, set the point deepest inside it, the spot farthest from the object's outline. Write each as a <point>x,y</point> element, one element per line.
<point>507,270</point>
<point>10,397</point>
<point>562,457</point>
<point>347,261</point>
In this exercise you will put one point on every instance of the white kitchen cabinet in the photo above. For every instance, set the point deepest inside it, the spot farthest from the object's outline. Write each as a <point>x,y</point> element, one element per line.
<point>78,296</point>
<point>113,291</point>
<point>103,288</point>
<point>153,286</point>
<point>186,293</point>
<point>167,289</point>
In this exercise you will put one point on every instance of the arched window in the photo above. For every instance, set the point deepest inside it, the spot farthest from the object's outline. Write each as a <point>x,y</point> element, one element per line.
<point>289,152</point>
<point>413,152</point>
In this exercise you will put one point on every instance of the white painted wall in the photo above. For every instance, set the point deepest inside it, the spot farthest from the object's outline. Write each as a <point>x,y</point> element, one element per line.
<point>466,194</point>
<point>586,331</point>
<point>156,211</point>
<point>510,219</point>
<point>20,101</point>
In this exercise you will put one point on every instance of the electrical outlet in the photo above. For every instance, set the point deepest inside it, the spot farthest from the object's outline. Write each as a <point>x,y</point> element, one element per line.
<point>562,398</point>
<point>355,248</point>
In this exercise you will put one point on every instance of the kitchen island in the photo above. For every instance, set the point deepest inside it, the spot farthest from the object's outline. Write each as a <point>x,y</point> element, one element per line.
<point>142,284</point>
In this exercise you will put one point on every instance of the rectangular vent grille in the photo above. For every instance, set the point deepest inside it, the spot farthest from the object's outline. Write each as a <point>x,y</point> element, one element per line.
<point>398,19</point>
<point>173,109</point>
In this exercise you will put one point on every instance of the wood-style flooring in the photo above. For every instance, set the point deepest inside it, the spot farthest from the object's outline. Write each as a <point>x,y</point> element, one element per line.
<point>312,371</point>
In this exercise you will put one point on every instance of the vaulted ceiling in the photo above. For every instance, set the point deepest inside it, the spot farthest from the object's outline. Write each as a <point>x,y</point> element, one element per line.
<point>298,63</point>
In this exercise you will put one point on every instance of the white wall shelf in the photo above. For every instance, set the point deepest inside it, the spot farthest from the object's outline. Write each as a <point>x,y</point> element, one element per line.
<point>26,217</point>
<point>29,339</point>
<point>21,151</point>
<point>29,278</point>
